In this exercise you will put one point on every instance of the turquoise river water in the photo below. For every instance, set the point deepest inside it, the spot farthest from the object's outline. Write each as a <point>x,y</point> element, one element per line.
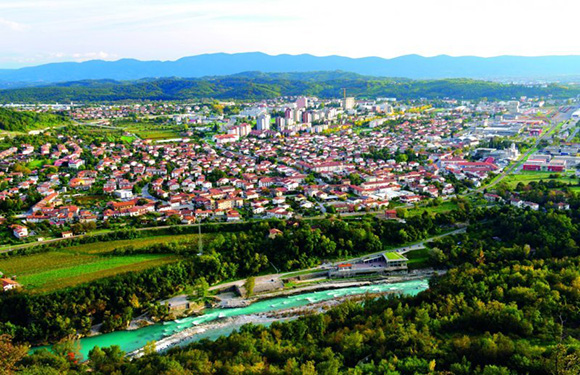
<point>135,339</point>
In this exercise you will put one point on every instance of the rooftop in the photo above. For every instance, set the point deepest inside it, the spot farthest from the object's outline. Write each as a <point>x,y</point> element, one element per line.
<point>391,255</point>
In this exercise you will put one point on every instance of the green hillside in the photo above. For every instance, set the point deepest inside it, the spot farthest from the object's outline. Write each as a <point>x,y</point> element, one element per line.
<point>27,120</point>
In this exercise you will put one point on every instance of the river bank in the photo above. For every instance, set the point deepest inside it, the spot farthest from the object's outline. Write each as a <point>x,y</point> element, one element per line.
<point>230,324</point>
<point>317,285</point>
<point>260,312</point>
<point>286,307</point>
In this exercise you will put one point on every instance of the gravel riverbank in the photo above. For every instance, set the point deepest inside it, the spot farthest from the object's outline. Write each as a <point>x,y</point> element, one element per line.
<point>227,324</point>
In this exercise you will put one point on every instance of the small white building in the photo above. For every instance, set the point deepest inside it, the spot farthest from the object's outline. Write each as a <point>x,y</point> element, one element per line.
<point>124,194</point>
<point>19,231</point>
<point>8,284</point>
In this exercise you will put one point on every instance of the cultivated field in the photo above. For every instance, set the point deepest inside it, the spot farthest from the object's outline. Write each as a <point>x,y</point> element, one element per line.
<point>157,134</point>
<point>78,264</point>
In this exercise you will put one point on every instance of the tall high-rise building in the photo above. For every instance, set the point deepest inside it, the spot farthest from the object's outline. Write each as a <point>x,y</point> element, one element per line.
<point>298,115</point>
<point>513,106</point>
<point>302,102</point>
<point>263,122</point>
<point>281,123</point>
<point>348,103</point>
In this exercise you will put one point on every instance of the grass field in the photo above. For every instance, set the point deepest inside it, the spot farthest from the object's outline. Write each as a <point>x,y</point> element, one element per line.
<point>88,268</point>
<point>526,177</point>
<point>36,163</point>
<point>391,255</point>
<point>87,200</point>
<point>150,130</point>
<point>417,259</point>
<point>443,207</point>
<point>105,247</point>
<point>127,139</point>
<point>557,129</point>
<point>78,264</point>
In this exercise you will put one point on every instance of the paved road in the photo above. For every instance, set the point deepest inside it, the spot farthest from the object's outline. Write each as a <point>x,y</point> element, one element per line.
<point>407,248</point>
<point>146,194</point>
<point>572,134</point>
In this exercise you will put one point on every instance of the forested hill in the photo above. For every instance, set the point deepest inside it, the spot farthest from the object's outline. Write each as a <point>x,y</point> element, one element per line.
<point>27,120</point>
<point>508,305</point>
<point>249,86</point>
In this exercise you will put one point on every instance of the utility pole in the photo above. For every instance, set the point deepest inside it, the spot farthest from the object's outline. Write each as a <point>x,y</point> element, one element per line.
<point>199,241</point>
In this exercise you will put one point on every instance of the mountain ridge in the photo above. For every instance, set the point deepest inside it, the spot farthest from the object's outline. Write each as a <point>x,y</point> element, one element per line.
<point>219,64</point>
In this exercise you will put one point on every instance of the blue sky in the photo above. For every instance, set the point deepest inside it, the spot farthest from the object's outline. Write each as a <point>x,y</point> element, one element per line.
<point>41,31</point>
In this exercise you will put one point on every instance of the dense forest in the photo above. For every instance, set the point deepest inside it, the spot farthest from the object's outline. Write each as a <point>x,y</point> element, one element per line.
<point>250,86</point>
<point>28,120</point>
<point>509,304</point>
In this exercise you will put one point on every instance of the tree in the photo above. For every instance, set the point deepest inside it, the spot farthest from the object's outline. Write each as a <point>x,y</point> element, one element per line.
<point>561,362</point>
<point>106,360</point>
<point>10,354</point>
<point>249,286</point>
<point>69,349</point>
<point>355,179</point>
<point>150,348</point>
<point>201,289</point>
<point>401,212</point>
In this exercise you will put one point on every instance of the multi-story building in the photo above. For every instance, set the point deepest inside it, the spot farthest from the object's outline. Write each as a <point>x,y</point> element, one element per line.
<point>263,122</point>
<point>348,103</point>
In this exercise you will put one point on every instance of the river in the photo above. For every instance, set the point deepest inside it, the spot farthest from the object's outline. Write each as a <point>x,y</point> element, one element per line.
<point>134,339</point>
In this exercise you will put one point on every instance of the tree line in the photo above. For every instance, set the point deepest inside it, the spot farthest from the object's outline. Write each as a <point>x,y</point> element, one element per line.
<point>269,86</point>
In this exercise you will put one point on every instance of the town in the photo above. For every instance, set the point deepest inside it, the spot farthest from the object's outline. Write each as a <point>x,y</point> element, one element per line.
<point>289,157</point>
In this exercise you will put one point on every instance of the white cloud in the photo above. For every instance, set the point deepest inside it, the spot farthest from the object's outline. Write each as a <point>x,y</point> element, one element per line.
<point>11,25</point>
<point>83,56</point>
<point>169,29</point>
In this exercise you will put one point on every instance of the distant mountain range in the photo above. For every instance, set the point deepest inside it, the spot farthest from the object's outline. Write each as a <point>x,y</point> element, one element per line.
<point>218,64</point>
<point>259,85</point>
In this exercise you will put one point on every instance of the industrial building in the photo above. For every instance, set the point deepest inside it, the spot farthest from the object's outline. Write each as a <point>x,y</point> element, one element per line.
<point>373,265</point>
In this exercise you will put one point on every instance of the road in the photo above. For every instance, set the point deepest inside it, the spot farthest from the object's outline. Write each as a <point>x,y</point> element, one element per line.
<point>574,131</point>
<point>146,194</point>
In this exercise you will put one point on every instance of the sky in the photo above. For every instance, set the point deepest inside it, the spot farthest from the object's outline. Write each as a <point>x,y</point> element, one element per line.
<point>34,32</point>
